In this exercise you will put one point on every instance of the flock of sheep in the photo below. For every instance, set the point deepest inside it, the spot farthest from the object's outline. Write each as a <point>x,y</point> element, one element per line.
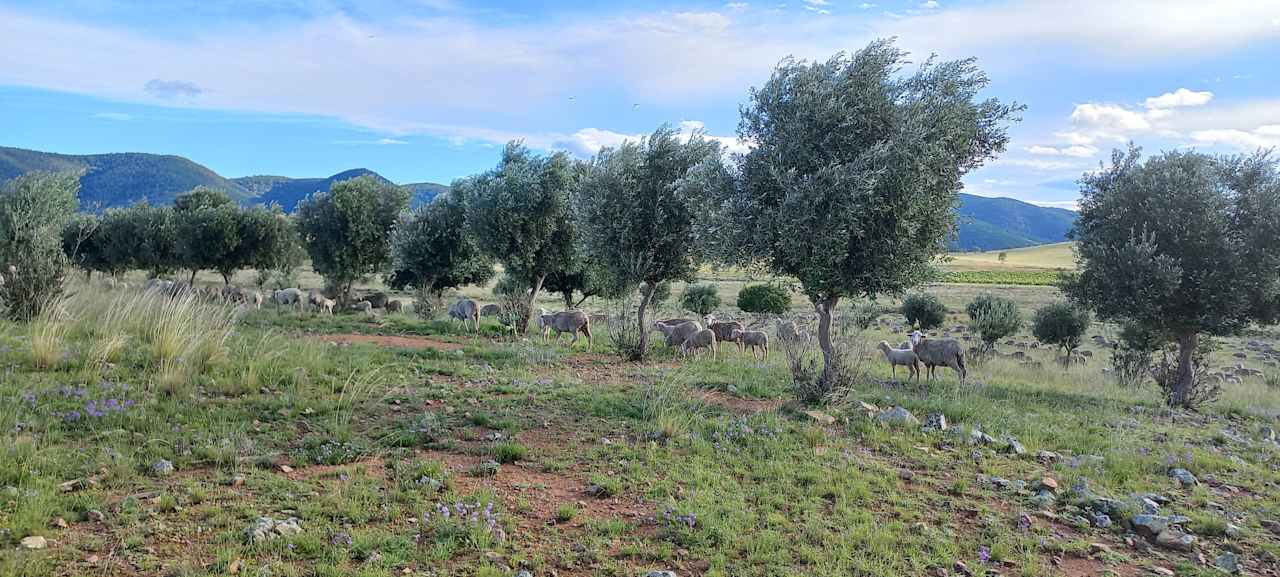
<point>932,353</point>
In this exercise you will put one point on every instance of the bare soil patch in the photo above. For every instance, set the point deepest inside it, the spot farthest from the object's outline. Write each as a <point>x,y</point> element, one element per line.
<point>394,341</point>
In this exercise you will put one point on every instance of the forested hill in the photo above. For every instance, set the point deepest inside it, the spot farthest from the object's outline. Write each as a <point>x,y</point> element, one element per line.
<point>121,179</point>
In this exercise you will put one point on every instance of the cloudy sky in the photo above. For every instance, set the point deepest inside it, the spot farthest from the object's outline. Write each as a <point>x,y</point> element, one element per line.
<point>430,89</point>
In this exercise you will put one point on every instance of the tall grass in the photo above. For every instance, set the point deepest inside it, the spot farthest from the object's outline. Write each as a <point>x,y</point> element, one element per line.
<point>48,332</point>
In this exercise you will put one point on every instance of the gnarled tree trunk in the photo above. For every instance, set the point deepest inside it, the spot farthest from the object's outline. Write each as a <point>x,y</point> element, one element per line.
<point>1181,393</point>
<point>826,308</point>
<point>646,296</point>
<point>533,295</point>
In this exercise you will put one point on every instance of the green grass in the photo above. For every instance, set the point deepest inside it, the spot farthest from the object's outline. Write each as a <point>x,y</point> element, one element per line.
<point>704,466</point>
<point>1005,277</point>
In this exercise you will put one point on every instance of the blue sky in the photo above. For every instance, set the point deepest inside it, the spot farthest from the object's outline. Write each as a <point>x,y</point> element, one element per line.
<point>430,89</point>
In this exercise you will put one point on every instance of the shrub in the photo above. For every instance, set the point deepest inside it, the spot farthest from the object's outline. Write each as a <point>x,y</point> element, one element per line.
<point>1131,360</point>
<point>701,299</point>
<point>1201,389</point>
<point>993,318</point>
<point>924,310</point>
<point>1061,324</point>
<point>34,210</point>
<point>764,298</point>
<point>509,452</point>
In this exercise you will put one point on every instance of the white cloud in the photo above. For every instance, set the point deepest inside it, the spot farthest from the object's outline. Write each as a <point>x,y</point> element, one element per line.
<point>374,142</point>
<point>930,5</point>
<point>1261,137</point>
<point>737,6</point>
<point>118,116</point>
<point>1178,98</point>
<point>1078,150</point>
<point>588,141</point>
<point>1067,204</point>
<point>1041,165</point>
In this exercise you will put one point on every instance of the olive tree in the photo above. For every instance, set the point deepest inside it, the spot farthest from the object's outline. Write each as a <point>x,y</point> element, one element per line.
<point>855,172</point>
<point>1062,325</point>
<point>347,231</point>
<point>520,216</point>
<point>1182,245</point>
<point>278,249</point>
<point>209,232</point>
<point>433,249</point>
<point>993,318</point>
<point>637,215</point>
<point>34,209</point>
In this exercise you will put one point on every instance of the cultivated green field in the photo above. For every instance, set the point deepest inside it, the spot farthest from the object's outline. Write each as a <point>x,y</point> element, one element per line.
<point>1049,256</point>
<point>144,436</point>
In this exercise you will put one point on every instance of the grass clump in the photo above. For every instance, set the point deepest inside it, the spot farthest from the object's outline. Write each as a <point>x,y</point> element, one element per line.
<point>509,452</point>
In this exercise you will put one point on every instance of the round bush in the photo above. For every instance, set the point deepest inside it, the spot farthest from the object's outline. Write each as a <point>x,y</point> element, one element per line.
<point>993,318</point>
<point>1060,324</point>
<point>700,298</point>
<point>764,298</point>
<point>924,311</point>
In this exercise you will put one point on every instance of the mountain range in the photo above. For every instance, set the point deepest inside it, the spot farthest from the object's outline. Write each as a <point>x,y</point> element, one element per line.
<point>121,179</point>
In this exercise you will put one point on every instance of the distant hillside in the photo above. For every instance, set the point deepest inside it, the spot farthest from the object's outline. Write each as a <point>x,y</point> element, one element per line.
<point>998,223</point>
<point>288,192</point>
<point>121,179</point>
<point>113,180</point>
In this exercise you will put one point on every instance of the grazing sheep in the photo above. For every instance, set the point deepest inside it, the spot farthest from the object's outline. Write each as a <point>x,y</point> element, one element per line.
<point>231,294</point>
<point>674,322</point>
<point>288,297</point>
<point>677,333</point>
<point>490,310</point>
<point>315,298</point>
<point>905,357</point>
<point>363,307</point>
<point>252,296</point>
<point>754,340</point>
<point>377,299</point>
<point>790,331</point>
<point>395,306</point>
<point>327,305</point>
<point>700,339</point>
<point>465,310</point>
<point>724,330</point>
<point>566,322</point>
<point>939,352</point>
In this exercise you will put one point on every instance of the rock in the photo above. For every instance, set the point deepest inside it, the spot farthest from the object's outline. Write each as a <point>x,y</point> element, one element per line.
<point>1234,531</point>
<point>34,542</point>
<point>1047,457</point>
<point>1176,540</point>
<point>95,515</point>
<point>1087,461</point>
<point>237,481</point>
<point>1150,526</point>
<point>523,573</point>
<point>1267,434</point>
<point>1273,526</point>
<point>1100,520</point>
<point>898,416</point>
<point>60,523</point>
<point>162,468</point>
<point>266,529</point>
<point>661,574</point>
<point>1099,548</point>
<point>1184,477</point>
<point>977,437</point>
<point>906,474</point>
<point>1012,446</point>
<point>1049,483</point>
<point>935,422</point>
<point>1228,562</point>
<point>821,418</point>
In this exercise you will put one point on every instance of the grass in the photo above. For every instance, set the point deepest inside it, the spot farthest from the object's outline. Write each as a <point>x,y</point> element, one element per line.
<point>1048,256</point>
<point>601,467</point>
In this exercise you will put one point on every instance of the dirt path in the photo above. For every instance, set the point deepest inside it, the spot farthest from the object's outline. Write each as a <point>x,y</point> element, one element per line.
<point>392,341</point>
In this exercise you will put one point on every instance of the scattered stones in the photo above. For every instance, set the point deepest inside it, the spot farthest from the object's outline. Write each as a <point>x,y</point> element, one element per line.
<point>1176,540</point>
<point>523,573</point>
<point>162,468</point>
<point>1150,526</point>
<point>906,474</point>
<point>1012,446</point>
<point>977,437</point>
<point>34,542</point>
<point>821,418</point>
<point>1099,548</point>
<point>1267,434</point>
<point>898,416</point>
<point>935,422</point>
<point>1087,461</point>
<point>95,515</point>
<point>1228,562</point>
<point>266,529</point>
<point>1048,483</point>
<point>1184,477</point>
<point>660,574</point>
<point>1273,526</point>
<point>1100,520</point>
<point>1047,457</point>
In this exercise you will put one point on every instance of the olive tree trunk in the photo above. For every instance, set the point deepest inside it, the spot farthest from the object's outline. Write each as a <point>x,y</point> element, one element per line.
<point>826,308</point>
<point>646,296</point>
<point>533,296</point>
<point>1180,395</point>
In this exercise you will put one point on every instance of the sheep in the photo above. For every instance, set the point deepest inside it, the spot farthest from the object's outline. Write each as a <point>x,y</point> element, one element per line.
<point>677,333</point>
<point>700,339</point>
<point>231,294</point>
<point>315,298</point>
<point>377,299</point>
<point>566,322</point>
<point>674,322</point>
<point>252,296</point>
<point>490,310</point>
<point>395,306</point>
<point>327,305</point>
<point>905,357</point>
<point>465,310</point>
<point>288,297</point>
<point>754,340</point>
<point>790,331</point>
<point>939,352</point>
<point>363,306</point>
<point>724,330</point>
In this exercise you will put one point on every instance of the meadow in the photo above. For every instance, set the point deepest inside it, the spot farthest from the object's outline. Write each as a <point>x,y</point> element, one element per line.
<point>152,436</point>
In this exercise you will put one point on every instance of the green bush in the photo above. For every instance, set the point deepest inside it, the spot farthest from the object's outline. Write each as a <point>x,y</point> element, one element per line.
<point>1061,324</point>
<point>34,210</point>
<point>924,311</point>
<point>701,299</point>
<point>993,318</point>
<point>764,298</point>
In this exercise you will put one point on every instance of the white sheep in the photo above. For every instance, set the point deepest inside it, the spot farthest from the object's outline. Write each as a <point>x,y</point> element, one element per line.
<point>327,305</point>
<point>904,356</point>
<point>724,330</point>
<point>677,333</point>
<point>754,340</point>
<point>701,339</point>
<point>465,310</point>
<point>939,352</point>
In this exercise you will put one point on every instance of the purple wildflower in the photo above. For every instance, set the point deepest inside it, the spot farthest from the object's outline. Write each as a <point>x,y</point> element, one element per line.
<point>984,554</point>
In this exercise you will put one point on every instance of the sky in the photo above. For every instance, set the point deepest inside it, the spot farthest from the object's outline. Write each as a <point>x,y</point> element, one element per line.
<point>430,90</point>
